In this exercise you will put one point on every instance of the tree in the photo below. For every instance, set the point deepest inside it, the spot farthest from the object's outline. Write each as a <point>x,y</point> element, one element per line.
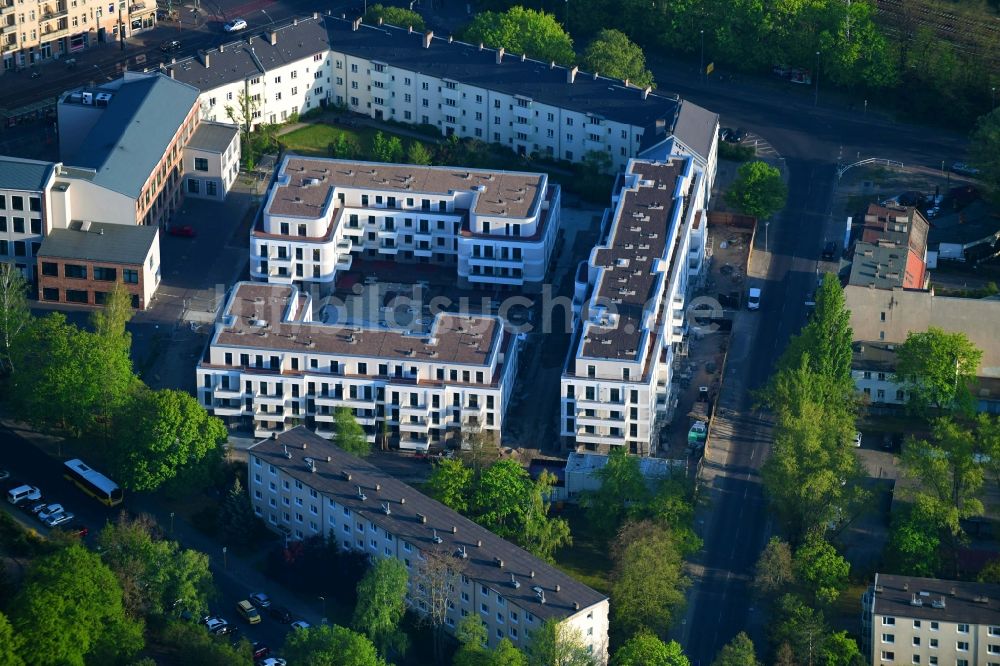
<point>417,153</point>
<point>10,644</point>
<point>938,370</point>
<point>984,149</point>
<point>387,148</point>
<point>554,644</point>
<point>505,654</point>
<point>645,649</point>
<point>543,535</point>
<point>70,608</point>
<point>189,643</point>
<point>774,572</point>
<point>242,114</point>
<point>14,313</point>
<point>331,645</point>
<point>451,484</point>
<point>758,190</point>
<point>381,603</point>
<point>479,449</point>
<point>434,579</point>
<point>621,484</point>
<point>344,147</point>
<point>737,652</point>
<point>647,581</point>
<point>348,433</point>
<point>501,498</point>
<point>989,573</point>
<point>158,434</point>
<point>397,16</point>
<point>112,357</point>
<point>518,30</point>
<point>154,574</point>
<point>784,656</point>
<point>839,649</point>
<point>821,569</point>
<point>237,518</point>
<point>801,627</point>
<point>915,541</point>
<point>613,54</point>
<point>472,637</point>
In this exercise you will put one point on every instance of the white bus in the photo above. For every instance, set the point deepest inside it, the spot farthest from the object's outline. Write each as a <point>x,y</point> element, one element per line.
<point>93,483</point>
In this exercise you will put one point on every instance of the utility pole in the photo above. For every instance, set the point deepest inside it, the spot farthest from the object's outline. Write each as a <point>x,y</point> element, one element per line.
<point>816,99</point>
<point>121,38</point>
<point>702,72</point>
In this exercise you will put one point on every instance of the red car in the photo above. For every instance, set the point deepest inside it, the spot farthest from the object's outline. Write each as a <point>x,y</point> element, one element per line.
<point>183,230</point>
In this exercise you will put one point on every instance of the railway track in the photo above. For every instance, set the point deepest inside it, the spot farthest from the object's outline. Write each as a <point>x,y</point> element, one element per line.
<point>969,36</point>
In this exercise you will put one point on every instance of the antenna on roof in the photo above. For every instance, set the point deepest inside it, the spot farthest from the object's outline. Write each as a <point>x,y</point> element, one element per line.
<point>385,508</point>
<point>287,453</point>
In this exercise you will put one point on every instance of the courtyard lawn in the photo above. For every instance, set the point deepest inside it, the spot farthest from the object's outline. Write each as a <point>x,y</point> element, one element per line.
<point>587,559</point>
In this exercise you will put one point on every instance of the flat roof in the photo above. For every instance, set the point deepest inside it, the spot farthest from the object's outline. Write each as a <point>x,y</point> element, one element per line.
<point>21,174</point>
<point>871,355</point>
<point>213,137</point>
<point>333,466</point>
<point>882,266</point>
<point>637,241</point>
<point>255,318</point>
<point>942,600</point>
<point>510,194</point>
<point>99,242</point>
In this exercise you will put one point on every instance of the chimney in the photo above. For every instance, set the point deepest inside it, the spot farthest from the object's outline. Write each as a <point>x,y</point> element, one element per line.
<point>222,48</point>
<point>295,19</point>
<point>171,72</point>
<point>411,30</point>
<point>646,91</point>
<point>380,21</point>
<point>480,46</point>
<point>552,64</point>
<point>450,39</point>
<point>571,74</point>
<point>524,56</point>
<point>355,24</point>
<point>625,81</point>
<point>500,52</point>
<point>595,76</point>
<point>428,36</point>
<point>205,59</point>
<point>272,37</point>
<point>315,16</point>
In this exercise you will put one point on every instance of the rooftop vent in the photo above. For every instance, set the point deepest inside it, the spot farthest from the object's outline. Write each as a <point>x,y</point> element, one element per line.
<point>938,603</point>
<point>361,494</point>
<point>539,593</point>
<point>385,508</point>
<point>514,582</point>
<point>288,454</point>
<point>498,561</point>
<point>422,518</point>
<point>346,475</point>
<point>461,554</point>
<point>435,538</point>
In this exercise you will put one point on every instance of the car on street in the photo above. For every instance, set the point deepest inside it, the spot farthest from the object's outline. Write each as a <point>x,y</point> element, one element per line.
<point>23,493</point>
<point>753,299</point>
<point>857,440</point>
<point>60,518</point>
<point>215,624</point>
<point>300,625</point>
<point>964,169</point>
<point>280,613</point>
<point>49,510</point>
<point>260,600</point>
<point>248,611</point>
<point>235,25</point>
<point>830,251</point>
<point>259,650</point>
<point>272,661</point>
<point>182,231</point>
<point>170,46</point>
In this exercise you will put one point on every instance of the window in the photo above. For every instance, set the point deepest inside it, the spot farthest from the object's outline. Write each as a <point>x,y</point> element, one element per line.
<point>888,621</point>
<point>130,276</point>
<point>50,269</point>
<point>934,626</point>
<point>888,656</point>
<point>105,274</point>
<point>963,628</point>
<point>201,164</point>
<point>76,296</point>
<point>75,271</point>
<point>888,638</point>
<point>194,186</point>
<point>49,294</point>
<point>933,642</point>
<point>962,646</point>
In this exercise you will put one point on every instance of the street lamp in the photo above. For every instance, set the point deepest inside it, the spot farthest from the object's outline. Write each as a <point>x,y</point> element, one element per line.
<point>269,19</point>
<point>816,99</point>
<point>767,223</point>
<point>171,522</point>
<point>566,15</point>
<point>994,93</point>
<point>323,600</point>
<point>702,72</point>
<point>225,559</point>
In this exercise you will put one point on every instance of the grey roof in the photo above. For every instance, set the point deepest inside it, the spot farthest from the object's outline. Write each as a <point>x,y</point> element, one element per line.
<point>134,131</point>
<point>878,266</point>
<point>465,63</point>
<point>21,174</point>
<point>869,355</point>
<point>977,222</point>
<point>971,603</point>
<point>696,127</point>
<point>454,530</point>
<point>101,242</point>
<point>213,137</point>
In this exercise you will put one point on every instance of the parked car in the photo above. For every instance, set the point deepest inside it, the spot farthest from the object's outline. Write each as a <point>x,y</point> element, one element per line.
<point>260,651</point>
<point>235,25</point>
<point>260,600</point>
<point>280,613</point>
<point>215,624</point>
<point>272,661</point>
<point>964,169</point>
<point>182,230</point>
<point>300,625</point>
<point>47,511</point>
<point>248,611</point>
<point>830,251</point>
<point>170,46</point>
<point>23,493</point>
<point>60,518</point>
<point>753,299</point>
<point>857,440</point>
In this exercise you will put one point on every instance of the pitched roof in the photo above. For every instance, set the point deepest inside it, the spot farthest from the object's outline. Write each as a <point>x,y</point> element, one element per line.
<point>696,127</point>
<point>935,599</point>
<point>100,242</point>
<point>339,474</point>
<point>21,174</point>
<point>213,137</point>
<point>134,131</point>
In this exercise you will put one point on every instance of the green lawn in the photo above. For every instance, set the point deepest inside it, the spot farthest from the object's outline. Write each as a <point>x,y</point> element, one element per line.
<point>315,139</point>
<point>587,559</point>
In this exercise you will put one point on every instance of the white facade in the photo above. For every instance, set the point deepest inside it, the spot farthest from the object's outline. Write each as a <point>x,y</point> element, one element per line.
<point>629,307</point>
<point>25,190</point>
<point>497,228</point>
<point>270,364</point>
<point>212,161</point>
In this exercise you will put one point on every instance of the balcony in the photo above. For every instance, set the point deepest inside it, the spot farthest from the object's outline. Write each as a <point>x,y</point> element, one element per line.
<point>344,262</point>
<point>278,259</point>
<point>598,438</point>
<point>421,426</point>
<point>406,411</point>
<point>273,400</point>
<point>53,33</point>
<point>223,393</point>
<point>422,251</point>
<point>7,29</point>
<point>227,410</point>
<point>388,249</point>
<point>345,245</point>
<point>414,443</point>
<point>50,12</point>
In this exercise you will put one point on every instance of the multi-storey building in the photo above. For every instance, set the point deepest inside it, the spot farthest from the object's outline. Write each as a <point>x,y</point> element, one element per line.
<point>892,250</point>
<point>271,365</point>
<point>498,228</point>
<point>909,620</point>
<point>460,89</point>
<point>25,190</point>
<point>629,307</point>
<point>303,486</point>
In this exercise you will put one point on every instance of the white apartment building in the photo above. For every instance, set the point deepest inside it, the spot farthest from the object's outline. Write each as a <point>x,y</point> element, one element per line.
<point>303,486</point>
<point>391,73</point>
<point>212,160</point>
<point>629,308</point>
<point>271,365</point>
<point>25,199</point>
<point>909,620</point>
<point>497,228</point>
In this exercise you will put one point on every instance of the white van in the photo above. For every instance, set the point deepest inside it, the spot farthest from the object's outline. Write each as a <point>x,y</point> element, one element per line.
<point>22,493</point>
<point>753,299</point>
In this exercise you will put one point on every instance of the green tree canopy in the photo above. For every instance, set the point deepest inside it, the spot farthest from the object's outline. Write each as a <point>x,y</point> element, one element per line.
<point>70,609</point>
<point>159,434</point>
<point>801,627</point>
<point>613,54</point>
<point>451,484</point>
<point>839,649</point>
<point>984,149</point>
<point>554,644</point>
<point>417,153</point>
<point>645,649</point>
<point>236,516</point>
<point>500,500</point>
<point>621,486</point>
<point>520,30</point>
<point>542,534</point>
<point>774,572</point>
<point>11,645</point>
<point>397,16</point>
<point>737,652</point>
<point>647,581</point>
<point>387,148</point>
<point>758,190</point>
<point>330,645</point>
<point>472,636</point>
<point>915,541</point>
<point>382,603</point>
<point>348,433</point>
<point>821,569</point>
<point>938,369</point>
<point>15,316</point>
<point>990,573</point>
<point>189,643</point>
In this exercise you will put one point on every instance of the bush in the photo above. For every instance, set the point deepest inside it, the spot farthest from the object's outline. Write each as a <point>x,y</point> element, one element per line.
<point>736,152</point>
